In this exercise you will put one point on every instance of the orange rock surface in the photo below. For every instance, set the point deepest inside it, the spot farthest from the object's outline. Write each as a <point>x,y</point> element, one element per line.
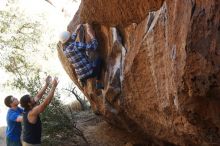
<point>162,66</point>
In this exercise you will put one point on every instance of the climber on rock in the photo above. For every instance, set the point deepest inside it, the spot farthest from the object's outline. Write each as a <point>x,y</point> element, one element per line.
<point>75,51</point>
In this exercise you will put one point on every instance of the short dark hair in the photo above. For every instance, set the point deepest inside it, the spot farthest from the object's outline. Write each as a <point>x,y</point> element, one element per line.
<point>8,101</point>
<point>25,100</point>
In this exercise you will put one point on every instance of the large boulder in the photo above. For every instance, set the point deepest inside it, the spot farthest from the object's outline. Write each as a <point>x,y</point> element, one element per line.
<point>161,67</point>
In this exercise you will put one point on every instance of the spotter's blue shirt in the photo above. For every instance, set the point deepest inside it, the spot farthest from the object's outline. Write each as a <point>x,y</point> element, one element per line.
<point>13,131</point>
<point>76,54</point>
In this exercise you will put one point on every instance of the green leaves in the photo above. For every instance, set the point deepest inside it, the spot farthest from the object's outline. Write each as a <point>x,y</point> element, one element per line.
<point>20,44</point>
<point>25,46</point>
<point>17,30</point>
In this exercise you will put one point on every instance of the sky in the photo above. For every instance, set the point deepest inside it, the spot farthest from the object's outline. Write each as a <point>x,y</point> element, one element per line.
<point>59,21</point>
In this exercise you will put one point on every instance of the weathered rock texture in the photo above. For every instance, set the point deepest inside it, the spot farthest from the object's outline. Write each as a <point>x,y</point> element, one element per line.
<point>162,67</point>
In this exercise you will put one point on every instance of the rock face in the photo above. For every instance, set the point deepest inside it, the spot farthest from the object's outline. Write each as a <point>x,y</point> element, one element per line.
<point>161,67</point>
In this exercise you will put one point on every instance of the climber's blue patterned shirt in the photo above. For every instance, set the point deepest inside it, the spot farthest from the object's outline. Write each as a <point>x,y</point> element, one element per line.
<point>76,54</point>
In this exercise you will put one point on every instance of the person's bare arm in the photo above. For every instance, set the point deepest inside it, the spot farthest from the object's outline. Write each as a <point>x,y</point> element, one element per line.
<point>74,34</point>
<point>19,119</point>
<point>77,28</point>
<point>42,91</point>
<point>40,108</point>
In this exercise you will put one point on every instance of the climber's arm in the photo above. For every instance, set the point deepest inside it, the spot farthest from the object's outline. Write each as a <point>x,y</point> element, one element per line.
<point>74,34</point>
<point>92,45</point>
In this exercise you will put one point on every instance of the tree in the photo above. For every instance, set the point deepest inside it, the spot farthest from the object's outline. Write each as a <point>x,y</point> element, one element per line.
<point>18,35</point>
<point>82,100</point>
<point>20,39</point>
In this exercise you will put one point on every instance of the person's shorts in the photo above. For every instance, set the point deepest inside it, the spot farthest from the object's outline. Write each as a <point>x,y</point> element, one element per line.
<point>28,144</point>
<point>10,142</point>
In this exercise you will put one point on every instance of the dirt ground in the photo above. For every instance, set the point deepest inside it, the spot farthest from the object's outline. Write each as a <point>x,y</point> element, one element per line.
<point>99,133</point>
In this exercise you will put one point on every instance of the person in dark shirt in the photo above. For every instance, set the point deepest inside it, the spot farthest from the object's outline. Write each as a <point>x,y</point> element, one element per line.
<point>31,119</point>
<point>14,119</point>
